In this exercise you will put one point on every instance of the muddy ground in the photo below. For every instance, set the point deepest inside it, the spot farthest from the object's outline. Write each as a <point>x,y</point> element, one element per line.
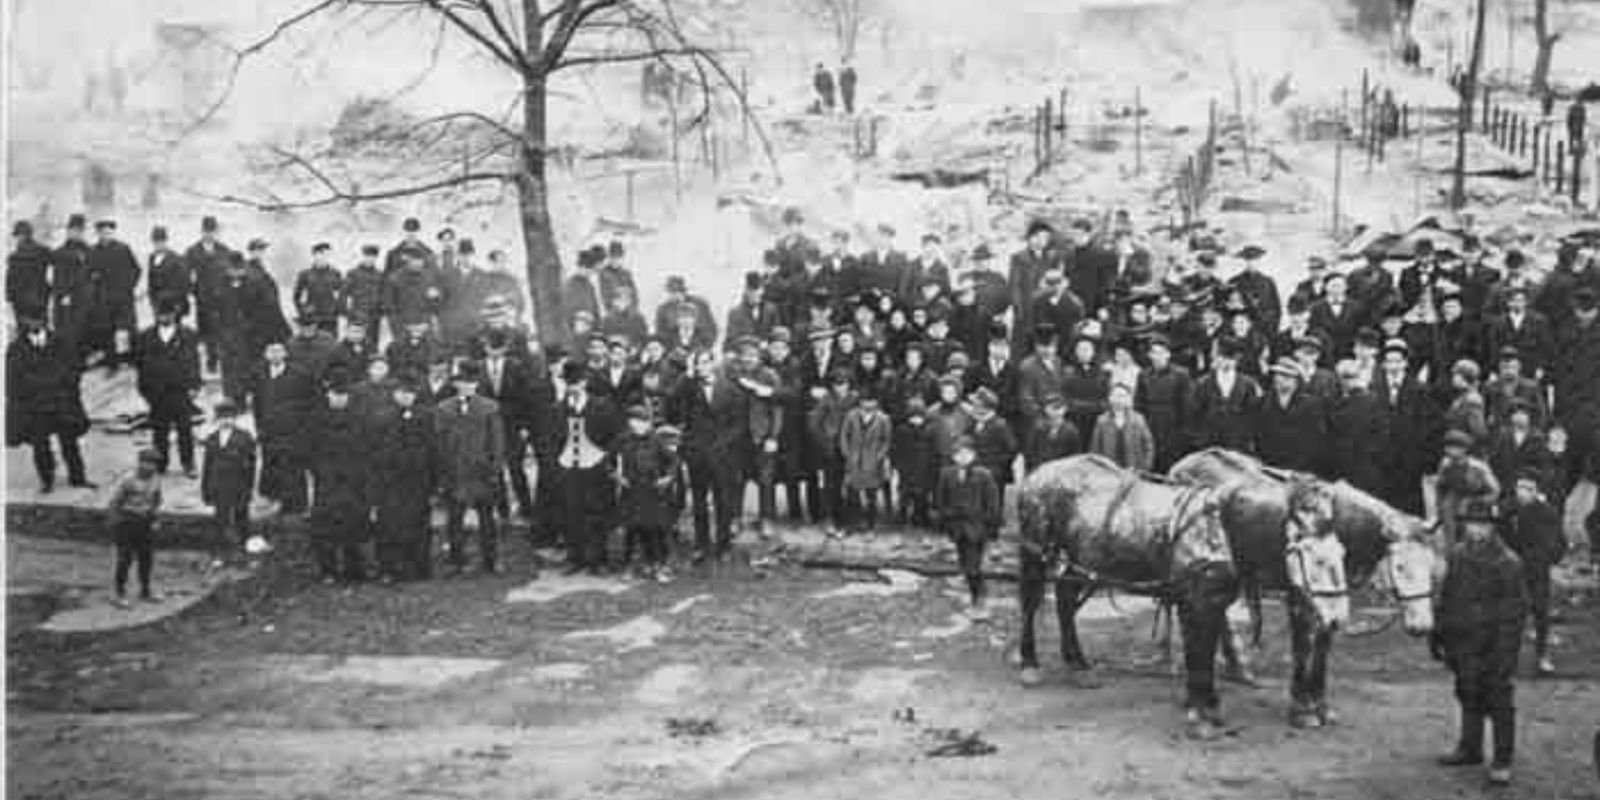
<point>777,683</point>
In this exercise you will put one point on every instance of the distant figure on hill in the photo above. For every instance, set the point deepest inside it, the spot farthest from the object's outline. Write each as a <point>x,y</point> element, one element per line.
<point>822,81</point>
<point>847,87</point>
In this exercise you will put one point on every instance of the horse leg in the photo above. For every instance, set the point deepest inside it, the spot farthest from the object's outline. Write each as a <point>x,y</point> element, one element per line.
<point>1069,597</point>
<point>1203,616</point>
<point>1235,667</point>
<point>1030,591</point>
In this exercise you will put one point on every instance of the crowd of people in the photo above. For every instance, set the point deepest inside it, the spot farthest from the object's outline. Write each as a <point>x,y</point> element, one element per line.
<point>850,377</point>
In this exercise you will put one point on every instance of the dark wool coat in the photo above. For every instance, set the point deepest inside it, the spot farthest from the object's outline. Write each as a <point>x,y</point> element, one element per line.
<point>412,295</point>
<point>1358,435</point>
<point>471,449</point>
<point>228,474</point>
<point>363,294</point>
<point>1163,397</point>
<point>915,456</point>
<point>210,266</point>
<point>1340,325</point>
<point>168,371</point>
<point>72,292</point>
<point>1412,441</point>
<point>1533,336</point>
<point>1577,375</point>
<point>28,280</point>
<point>1293,436</point>
<point>115,270</point>
<point>1262,294</point>
<point>1534,534</point>
<point>1225,420</point>
<point>405,463</point>
<point>1046,443</point>
<point>283,407</point>
<point>42,393</point>
<point>319,294</point>
<point>170,281</point>
<point>968,505</point>
<point>996,447</point>
<point>1027,268</point>
<point>650,482</point>
<point>341,463</point>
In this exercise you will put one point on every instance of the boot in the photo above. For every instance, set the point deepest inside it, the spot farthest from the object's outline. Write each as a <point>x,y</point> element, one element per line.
<point>1505,745</point>
<point>1469,751</point>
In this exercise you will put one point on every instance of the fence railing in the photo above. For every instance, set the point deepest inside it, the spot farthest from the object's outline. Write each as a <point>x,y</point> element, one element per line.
<point>1197,171</point>
<point>1553,159</point>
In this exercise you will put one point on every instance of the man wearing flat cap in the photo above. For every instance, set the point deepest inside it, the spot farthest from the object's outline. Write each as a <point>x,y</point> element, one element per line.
<point>319,291</point>
<point>72,291</point>
<point>363,295</point>
<point>410,246</point>
<point>1508,389</point>
<point>1292,430</point>
<point>28,275</point>
<point>1411,411</point>
<point>209,258</point>
<point>114,271</point>
<point>471,438</point>
<point>1028,267</point>
<point>169,277</point>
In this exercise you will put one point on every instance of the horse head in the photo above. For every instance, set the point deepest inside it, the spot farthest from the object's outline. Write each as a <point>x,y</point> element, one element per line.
<point>1409,573</point>
<point>1399,551</point>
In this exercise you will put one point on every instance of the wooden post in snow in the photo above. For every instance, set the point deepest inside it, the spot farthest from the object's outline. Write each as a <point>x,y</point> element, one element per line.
<point>1138,131</point>
<point>1561,166</point>
<point>1338,180</point>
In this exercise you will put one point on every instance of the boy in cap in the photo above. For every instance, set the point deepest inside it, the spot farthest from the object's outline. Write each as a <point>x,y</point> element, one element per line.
<point>967,508</point>
<point>1534,533</point>
<point>914,455</point>
<point>319,291</point>
<point>1463,479</point>
<point>650,474</point>
<point>1478,635</point>
<point>227,478</point>
<point>1053,438</point>
<point>991,436</point>
<point>133,506</point>
<point>864,440</point>
<point>471,435</point>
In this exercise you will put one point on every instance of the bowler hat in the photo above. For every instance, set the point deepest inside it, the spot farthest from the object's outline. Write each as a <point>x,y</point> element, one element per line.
<point>615,248</point>
<point>573,373</point>
<point>982,253</point>
<point>158,233</point>
<point>467,371</point>
<point>1510,353</point>
<point>22,228</point>
<point>256,245</point>
<point>320,247</point>
<point>1251,252</point>
<point>1039,226</point>
<point>792,215</point>
<point>676,283</point>
<point>411,225</point>
<point>1583,298</point>
<point>369,249</point>
<point>1456,437</point>
<point>1477,510</point>
<point>77,222</point>
<point>106,225</point>
<point>752,281</point>
<point>208,225</point>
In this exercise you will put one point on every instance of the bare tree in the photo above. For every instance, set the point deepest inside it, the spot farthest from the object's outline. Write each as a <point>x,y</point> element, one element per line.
<point>1468,93</point>
<point>1545,40</point>
<point>844,18</point>
<point>535,40</point>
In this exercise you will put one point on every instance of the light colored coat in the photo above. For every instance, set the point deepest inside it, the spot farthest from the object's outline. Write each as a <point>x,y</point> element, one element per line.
<point>864,441</point>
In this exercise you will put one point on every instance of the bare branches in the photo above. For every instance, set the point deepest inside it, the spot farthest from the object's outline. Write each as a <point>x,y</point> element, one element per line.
<point>338,195</point>
<point>573,15</point>
<point>240,54</point>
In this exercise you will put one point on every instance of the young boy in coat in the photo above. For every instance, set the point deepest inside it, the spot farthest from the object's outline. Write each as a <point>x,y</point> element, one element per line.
<point>993,440</point>
<point>646,475</point>
<point>864,440</point>
<point>1534,534</point>
<point>914,454</point>
<point>228,478</point>
<point>1054,437</point>
<point>967,503</point>
<point>133,513</point>
<point>1478,634</point>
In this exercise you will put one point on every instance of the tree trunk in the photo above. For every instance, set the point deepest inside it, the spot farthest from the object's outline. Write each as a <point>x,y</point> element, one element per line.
<point>1546,43</point>
<point>1469,93</point>
<point>533,193</point>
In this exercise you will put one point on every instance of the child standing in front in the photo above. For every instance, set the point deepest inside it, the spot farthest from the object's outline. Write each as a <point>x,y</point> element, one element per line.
<point>228,478</point>
<point>133,513</point>
<point>646,471</point>
<point>968,506</point>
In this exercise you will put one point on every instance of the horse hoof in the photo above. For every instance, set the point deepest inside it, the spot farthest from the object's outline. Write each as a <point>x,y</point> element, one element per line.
<point>1031,676</point>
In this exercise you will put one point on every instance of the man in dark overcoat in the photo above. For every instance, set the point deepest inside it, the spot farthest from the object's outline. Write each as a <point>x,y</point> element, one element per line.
<point>1163,396</point>
<point>713,413</point>
<point>1358,432</point>
<point>44,402</point>
<point>471,433</point>
<point>412,293</point>
<point>115,272</point>
<point>410,246</point>
<point>210,260</point>
<point>314,350</point>
<point>28,275</point>
<point>283,398</point>
<point>1225,404</point>
<point>1482,608</point>
<point>1292,430</point>
<point>228,478</point>
<point>1028,266</point>
<point>363,295</point>
<point>170,278</point>
<point>1576,373</point>
<point>166,357</point>
<point>340,455</point>
<point>319,291</point>
<point>71,290</point>
<point>1091,267</point>
<point>1407,453</point>
<point>523,398</point>
<point>1525,329</point>
<point>404,477</point>
<point>1259,290</point>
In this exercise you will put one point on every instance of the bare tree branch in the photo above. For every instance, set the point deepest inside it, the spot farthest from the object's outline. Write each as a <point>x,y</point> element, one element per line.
<point>337,195</point>
<point>486,7</point>
<point>574,13</point>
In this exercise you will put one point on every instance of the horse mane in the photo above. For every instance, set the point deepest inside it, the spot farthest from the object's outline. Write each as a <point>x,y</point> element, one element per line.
<point>1394,522</point>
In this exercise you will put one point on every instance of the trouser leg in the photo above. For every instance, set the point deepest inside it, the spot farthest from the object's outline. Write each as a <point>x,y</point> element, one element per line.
<point>44,460</point>
<point>455,531</point>
<point>73,457</point>
<point>1538,582</point>
<point>125,557</point>
<point>488,536</point>
<point>144,557</point>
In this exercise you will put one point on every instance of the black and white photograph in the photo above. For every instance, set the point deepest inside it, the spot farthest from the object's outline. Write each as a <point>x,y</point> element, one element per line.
<point>801,399</point>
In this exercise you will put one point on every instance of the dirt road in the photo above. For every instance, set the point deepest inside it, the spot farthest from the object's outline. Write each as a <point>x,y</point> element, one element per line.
<point>729,684</point>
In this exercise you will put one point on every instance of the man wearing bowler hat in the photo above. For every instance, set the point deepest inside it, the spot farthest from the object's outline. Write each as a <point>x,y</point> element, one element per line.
<point>44,402</point>
<point>1260,290</point>
<point>209,258</point>
<point>115,273</point>
<point>71,290</point>
<point>586,429</point>
<point>471,439</point>
<point>170,278</point>
<point>28,274</point>
<point>167,359</point>
<point>1576,372</point>
<point>1028,266</point>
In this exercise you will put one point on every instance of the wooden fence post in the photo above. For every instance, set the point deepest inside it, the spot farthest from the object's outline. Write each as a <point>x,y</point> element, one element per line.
<point>1338,179</point>
<point>1138,131</point>
<point>1561,165</point>
<point>1049,132</point>
<point>1365,89</point>
<point>1486,108</point>
<point>1544,171</point>
<point>1061,109</point>
<point>1577,170</point>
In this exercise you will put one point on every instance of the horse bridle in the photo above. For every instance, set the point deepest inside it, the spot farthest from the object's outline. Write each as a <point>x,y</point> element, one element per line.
<point>1394,584</point>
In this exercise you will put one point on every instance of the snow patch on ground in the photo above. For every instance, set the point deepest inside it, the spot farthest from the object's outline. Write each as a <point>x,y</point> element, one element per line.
<point>554,587</point>
<point>635,634</point>
<point>668,684</point>
<point>559,672</point>
<point>887,683</point>
<point>959,623</point>
<point>408,672</point>
<point>894,582</point>
<point>687,603</point>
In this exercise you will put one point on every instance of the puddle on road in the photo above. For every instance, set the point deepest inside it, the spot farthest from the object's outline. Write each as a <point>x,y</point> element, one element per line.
<point>635,634</point>
<point>406,672</point>
<point>554,587</point>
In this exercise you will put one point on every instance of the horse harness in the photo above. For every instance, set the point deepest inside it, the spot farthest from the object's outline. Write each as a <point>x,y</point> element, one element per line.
<point>1066,566</point>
